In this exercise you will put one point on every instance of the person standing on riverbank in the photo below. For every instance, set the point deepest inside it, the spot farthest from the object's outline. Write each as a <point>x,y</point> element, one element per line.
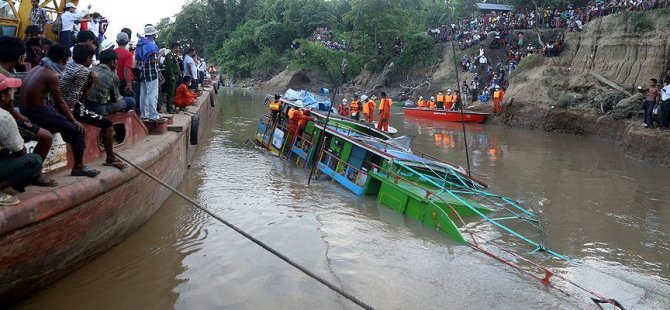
<point>384,112</point>
<point>498,95</point>
<point>190,68</point>
<point>650,103</point>
<point>665,104</point>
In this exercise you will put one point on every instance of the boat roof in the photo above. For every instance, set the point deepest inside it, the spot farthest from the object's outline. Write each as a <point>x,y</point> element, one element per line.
<point>393,152</point>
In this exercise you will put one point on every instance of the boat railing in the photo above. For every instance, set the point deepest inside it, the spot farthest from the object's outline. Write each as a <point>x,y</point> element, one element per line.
<point>474,243</point>
<point>343,168</point>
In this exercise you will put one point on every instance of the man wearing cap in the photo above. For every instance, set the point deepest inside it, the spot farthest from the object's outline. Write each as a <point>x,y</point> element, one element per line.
<point>69,18</point>
<point>172,75</point>
<point>147,56</point>
<point>18,169</point>
<point>124,68</point>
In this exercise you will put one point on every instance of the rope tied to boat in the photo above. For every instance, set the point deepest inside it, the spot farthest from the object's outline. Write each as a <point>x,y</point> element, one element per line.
<point>251,238</point>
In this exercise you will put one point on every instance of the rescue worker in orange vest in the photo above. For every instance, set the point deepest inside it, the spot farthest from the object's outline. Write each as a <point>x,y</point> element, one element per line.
<point>291,112</point>
<point>384,113</point>
<point>275,107</point>
<point>369,106</point>
<point>298,121</point>
<point>431,103</point>
<point>440,100</point>
<point>355,108</point>
<point>498,96</point>
<point>421,103</point>
<point>449,100</point>
<point>457,101</point>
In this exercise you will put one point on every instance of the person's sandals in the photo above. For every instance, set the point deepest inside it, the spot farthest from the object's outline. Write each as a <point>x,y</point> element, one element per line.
<point>43,181</point>
<point>8,200</point>
<point>118,164</point>
<point>85,172</point>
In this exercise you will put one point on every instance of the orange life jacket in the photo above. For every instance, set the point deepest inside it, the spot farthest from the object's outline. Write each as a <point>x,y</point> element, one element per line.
<point>369,106</point>
<point>431,104</point>
<point>450,99</point>
<point>498,94</point>
<point>440,98</point>
<point>291,113</point>
<point>385,106</point>
<point>355,106</point>
<point>421,103</point>
<point>274,105</point>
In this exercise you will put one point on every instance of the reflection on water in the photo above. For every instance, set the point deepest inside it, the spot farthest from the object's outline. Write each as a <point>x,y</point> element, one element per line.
<point>606,212</point>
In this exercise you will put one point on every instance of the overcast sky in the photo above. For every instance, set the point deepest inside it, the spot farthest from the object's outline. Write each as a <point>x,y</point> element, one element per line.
<point>133,14</point>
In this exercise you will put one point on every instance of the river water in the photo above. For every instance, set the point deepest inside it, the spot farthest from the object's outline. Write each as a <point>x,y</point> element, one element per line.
<point>609,214</point>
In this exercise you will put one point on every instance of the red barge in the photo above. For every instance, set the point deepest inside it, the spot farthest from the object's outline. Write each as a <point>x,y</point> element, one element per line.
<point>448,116</point>
<point>56,230</point>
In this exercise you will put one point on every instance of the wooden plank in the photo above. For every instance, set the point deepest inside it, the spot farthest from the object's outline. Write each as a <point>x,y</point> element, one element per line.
<point>609,83</point>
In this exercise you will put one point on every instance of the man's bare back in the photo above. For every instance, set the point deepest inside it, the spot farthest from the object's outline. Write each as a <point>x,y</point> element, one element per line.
<point>39,82</point>
<point>653,93</point>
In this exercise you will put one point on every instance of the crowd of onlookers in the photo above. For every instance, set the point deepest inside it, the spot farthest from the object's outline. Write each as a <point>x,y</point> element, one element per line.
<point>325,36</point>
<point>48,88</point>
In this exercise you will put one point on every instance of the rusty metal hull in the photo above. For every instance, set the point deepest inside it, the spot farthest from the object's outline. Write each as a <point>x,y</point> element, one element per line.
<point>57,230</point>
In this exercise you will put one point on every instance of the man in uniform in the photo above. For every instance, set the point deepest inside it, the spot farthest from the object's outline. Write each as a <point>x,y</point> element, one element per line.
<point>275,107</point>
<point>368,109</point>
<point>421,103</point>
<point>172,75</point>
<point>384,112</point>
<point>355,108</point>
<point>498,95</point>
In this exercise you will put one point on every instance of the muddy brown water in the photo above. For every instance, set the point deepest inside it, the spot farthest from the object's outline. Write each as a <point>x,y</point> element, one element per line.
<point>611,215</point>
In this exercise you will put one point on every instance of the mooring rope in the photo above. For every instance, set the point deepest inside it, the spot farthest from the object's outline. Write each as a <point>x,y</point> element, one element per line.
<point>274,252</point>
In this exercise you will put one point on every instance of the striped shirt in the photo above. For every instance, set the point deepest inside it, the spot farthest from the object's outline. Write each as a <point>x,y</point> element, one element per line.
<point>72,82</point>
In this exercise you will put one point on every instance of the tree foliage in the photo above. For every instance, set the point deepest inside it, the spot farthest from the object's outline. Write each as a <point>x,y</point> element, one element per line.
<point>252,38</point>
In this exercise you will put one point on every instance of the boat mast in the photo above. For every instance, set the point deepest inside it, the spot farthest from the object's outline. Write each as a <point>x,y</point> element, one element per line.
<point>458,88</point>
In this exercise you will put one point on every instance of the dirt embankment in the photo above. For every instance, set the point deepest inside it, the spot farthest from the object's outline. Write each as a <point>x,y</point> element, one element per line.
<point>562,94</point>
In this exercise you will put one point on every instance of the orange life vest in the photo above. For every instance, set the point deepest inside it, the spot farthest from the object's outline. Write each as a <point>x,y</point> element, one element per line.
<point>385,106</point>
<point>440,98</point>
<point>355,106</point>
<point>291,113</point>
<point>450,99</point>
<point>498,94</point>
<point>431,104</point>
<point>369,106</point>
<point>421,103</point>
<point>275,105</point>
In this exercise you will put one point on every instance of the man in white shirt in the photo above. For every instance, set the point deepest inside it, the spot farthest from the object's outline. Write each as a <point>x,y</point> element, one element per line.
<point>18,169</point>
<point>69,18</point>
<point>665,104</point>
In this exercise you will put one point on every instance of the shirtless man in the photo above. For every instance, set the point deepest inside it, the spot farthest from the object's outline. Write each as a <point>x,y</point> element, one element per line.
<point>37,85</point>
<point>650,102</point>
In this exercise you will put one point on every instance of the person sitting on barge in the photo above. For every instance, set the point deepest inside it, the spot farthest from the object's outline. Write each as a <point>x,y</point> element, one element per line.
<point>76,85</point>
<point>57,117</point>
<point>185,97</point>
<point>18,168</point>
<point>11,50</point>
<point>106,97</point>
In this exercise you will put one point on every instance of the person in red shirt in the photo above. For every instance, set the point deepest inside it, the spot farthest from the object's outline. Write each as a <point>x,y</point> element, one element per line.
<point>185,97</point>
<point>125,67</point>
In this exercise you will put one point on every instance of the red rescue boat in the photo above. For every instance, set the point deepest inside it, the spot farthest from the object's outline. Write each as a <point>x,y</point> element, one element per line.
<point>449,116</point>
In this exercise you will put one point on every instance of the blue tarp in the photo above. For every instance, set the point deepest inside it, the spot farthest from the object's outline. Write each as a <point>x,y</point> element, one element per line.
<point>308,100</point>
